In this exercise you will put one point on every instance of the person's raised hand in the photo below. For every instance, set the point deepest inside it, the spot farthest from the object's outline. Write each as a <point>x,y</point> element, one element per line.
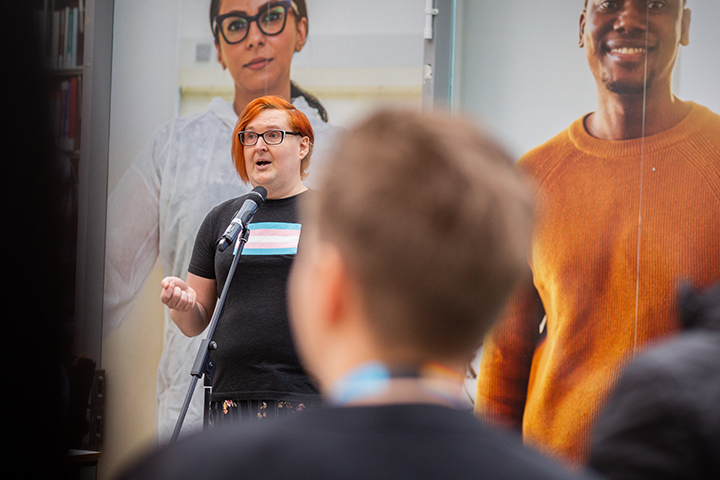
<point>177,295</point>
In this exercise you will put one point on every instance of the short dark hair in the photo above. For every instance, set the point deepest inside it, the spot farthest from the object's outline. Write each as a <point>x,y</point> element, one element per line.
<point>434,223</point>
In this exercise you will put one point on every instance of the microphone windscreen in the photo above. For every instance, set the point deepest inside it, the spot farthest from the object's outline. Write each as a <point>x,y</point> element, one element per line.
<point>262,191</point>
<point>258,195</point>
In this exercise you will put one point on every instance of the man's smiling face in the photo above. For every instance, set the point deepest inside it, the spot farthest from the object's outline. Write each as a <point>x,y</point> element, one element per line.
<point>618,36</point>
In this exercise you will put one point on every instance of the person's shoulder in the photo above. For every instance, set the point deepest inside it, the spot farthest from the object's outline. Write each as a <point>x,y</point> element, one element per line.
<point>704,112</point>
<point>537,163</point>
<point>557,144</point>
<point>194,126</point>
<point>219,114</point>
<point>219,215</point>
<point>250,449</point>
<point>706,123</point>
<point>433,441</point>
<point>393,441</point>
<point>210,118</point>
<point>232,204</point>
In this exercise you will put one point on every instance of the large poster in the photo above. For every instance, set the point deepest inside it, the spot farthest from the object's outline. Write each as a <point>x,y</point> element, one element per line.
<point>611,110</point>
<point>182,72</point>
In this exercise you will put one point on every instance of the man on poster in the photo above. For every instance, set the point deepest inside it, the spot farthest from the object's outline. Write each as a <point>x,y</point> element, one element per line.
<point>629,198</point>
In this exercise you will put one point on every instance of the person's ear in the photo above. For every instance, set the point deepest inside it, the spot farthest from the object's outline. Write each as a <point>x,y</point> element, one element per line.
<point>304,147</point>
<point>581,39</point>
<point>335,284</point>
<point>220,57</point>
<point>302,30</point>
<point>685,27</point>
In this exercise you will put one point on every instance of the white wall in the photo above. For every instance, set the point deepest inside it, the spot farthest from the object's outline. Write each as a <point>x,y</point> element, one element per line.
<point>698,72</point>
<point>144,95</point>
<point>144,76</point>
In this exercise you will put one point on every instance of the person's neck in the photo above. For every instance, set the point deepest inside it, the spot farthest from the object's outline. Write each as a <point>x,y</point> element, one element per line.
<point>243,97</point>
<point>277,194</point>
<point>628,116</point>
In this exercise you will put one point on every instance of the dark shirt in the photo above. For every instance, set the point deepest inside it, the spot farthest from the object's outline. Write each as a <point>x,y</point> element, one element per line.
<point>382,442</point>
<point>256,357</point>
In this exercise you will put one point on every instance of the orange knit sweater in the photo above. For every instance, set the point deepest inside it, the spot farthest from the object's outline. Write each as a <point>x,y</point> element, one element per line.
<point>601,205</point>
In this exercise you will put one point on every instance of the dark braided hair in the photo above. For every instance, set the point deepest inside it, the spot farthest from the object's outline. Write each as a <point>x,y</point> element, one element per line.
<point>311,99</point>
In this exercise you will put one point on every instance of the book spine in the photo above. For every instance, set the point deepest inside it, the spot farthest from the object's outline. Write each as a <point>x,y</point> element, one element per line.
<point>55,38</point>
<point>72,114</point>
<point>73,53</point>
<point>78,114</point>
<point>67,58</point>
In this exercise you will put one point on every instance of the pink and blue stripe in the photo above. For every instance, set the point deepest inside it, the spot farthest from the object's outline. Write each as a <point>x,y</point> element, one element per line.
<point>272,238</point>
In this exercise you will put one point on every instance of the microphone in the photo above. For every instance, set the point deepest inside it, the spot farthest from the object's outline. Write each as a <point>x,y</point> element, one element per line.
<point>242,217</point>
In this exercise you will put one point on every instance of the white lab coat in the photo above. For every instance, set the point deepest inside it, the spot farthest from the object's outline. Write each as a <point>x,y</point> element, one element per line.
<point>156,209</point>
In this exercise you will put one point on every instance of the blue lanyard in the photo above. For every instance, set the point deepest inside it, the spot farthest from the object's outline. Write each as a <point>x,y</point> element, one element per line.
<point>365,381</point>
<point>373,379</point>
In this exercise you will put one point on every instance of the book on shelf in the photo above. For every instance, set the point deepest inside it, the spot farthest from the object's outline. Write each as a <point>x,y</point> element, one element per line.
<point>66,109</point>
<point>61,26</point>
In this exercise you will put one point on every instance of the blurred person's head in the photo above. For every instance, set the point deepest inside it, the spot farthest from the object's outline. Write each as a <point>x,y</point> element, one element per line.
<point>272,145</point>
<point>411,245</point>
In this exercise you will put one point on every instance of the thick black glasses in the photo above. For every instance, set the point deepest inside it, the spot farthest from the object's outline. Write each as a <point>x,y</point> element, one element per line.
<point>271,19</point>
<point>271,137</point>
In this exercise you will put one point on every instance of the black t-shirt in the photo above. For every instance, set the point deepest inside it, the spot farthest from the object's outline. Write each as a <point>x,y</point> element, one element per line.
<point>256,357</point>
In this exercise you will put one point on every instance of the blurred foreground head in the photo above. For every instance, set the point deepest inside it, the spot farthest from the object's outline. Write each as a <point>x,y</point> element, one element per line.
<point>416,237</point>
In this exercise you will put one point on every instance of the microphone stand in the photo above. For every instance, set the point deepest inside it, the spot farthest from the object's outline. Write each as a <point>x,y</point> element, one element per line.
<point>203,363</point>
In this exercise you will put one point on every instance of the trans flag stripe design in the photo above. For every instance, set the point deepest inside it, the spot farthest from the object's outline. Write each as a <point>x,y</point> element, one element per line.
<point>272,238</point>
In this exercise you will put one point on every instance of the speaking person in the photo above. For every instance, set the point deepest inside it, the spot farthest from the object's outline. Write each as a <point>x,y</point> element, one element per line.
<point>411,245</point>
<point>621,224</point>
<point>257,373</point>
<point>186,170</point>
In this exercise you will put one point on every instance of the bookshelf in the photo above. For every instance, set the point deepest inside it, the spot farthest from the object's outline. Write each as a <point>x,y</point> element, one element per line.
<point>74,38</point>
<point>61,24</point>
<point>61,38</point>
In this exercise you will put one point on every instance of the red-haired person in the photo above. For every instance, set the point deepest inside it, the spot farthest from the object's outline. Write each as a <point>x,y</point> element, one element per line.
<point>185,170</point>
<point>257,373</point>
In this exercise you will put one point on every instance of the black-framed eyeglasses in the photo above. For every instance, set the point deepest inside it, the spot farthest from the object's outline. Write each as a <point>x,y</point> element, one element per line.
<point>271,137</point>
<point>271,19</point>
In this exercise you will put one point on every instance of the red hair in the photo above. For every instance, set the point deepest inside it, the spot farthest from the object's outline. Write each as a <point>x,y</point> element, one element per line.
<point>296,119</point>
